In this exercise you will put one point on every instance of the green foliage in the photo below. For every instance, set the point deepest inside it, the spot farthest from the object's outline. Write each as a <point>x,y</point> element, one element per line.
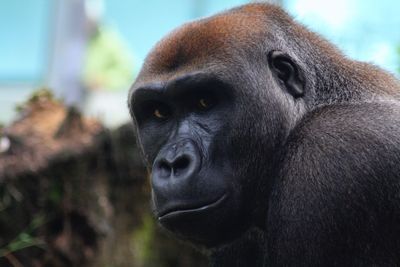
<point>142,239</point>
<point>55,193</point>
<point>25,239</point>
<point>398,53</point>
<point>40,95</point>
<point>109,64</point>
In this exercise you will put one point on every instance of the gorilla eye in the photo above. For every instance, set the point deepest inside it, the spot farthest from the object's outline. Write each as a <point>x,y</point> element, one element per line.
<point>203,103</point>
<point>159,114</point>
<point>161,111</point>
<point>153,110</point>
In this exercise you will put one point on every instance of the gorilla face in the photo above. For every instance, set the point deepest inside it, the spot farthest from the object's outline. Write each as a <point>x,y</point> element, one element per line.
<point>184,132</point>
<point>209,125</point>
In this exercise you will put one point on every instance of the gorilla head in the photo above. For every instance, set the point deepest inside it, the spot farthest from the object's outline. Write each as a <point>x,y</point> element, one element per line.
<point>214,101</point>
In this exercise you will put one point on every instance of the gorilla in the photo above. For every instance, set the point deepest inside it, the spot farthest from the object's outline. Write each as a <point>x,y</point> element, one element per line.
<point>267,146</point>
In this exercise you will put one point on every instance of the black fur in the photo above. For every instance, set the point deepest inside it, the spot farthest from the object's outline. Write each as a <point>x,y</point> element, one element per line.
<point>294,161</point>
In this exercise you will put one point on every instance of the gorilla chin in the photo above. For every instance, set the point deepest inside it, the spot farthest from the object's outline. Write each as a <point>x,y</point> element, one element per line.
<point>188,220</point>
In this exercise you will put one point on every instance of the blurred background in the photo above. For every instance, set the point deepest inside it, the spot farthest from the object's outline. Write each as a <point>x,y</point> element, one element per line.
<point>89,51</point>
<point>73,190</point>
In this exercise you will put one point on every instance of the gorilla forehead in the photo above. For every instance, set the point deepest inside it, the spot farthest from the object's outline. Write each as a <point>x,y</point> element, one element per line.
<point>206,41</point>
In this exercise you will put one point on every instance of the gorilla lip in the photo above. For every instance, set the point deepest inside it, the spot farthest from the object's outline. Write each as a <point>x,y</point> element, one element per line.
<point>175,211</point>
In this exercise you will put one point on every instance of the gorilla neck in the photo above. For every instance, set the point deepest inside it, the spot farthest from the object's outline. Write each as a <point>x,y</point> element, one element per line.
<point>350,81</point>
<point>338,79</point>
<point>249,250</point>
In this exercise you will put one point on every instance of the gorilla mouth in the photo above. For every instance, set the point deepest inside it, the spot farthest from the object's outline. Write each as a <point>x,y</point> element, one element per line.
<point>179,210</point>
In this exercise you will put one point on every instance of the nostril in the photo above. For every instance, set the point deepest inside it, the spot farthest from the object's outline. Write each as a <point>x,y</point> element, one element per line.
<point>164,168</point>
<point>180,165</point>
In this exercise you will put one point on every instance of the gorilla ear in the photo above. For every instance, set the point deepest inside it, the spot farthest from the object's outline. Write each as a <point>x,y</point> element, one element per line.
<point>287,71</point>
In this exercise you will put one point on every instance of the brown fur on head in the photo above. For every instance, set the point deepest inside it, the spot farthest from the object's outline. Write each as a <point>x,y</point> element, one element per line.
<point>206,42</point>
<point>211,39</point>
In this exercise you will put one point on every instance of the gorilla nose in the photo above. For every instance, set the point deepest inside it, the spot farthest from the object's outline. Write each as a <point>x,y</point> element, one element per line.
<point>179,160</point>
<point>177,167</point>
